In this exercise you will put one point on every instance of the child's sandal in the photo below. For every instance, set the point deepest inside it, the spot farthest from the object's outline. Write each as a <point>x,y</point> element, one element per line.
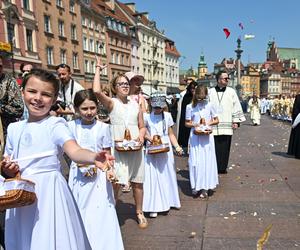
<point>142,221</point>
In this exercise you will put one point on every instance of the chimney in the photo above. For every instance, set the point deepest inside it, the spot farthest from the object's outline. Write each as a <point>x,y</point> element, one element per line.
<point>110,3</point>
<point>131,6</point>
<point>145,14</point>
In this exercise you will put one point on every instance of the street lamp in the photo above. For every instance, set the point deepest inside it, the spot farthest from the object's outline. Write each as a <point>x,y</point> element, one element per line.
<point>238,52</point>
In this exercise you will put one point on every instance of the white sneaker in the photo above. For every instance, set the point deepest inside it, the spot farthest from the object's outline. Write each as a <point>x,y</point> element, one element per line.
<point>153,215</point>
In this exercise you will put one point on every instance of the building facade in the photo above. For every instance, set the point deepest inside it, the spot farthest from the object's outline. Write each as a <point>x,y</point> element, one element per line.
<point>60,35</point>
<point>19,34</point>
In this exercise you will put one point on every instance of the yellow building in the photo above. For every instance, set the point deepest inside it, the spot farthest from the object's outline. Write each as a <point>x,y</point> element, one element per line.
<point>250,81</point>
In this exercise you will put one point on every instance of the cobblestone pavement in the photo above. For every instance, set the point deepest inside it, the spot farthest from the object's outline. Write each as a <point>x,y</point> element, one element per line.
<point>262,187</point>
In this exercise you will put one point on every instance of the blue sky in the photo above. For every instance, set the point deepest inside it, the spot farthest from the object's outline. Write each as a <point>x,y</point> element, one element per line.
<point>197,26</point>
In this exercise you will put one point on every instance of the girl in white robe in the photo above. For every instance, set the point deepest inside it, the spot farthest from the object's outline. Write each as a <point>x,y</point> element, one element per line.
<point>202,158</point>
<point>160,185</point>
<point>33,148</point>
<point>92,191</point>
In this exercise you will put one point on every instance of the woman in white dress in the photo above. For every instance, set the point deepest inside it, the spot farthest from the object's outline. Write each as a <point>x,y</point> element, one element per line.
<point>53,221</point>
<point>202,159</point>
<point>92,191</point>
<point>160,186</point>
<point>125,115</point>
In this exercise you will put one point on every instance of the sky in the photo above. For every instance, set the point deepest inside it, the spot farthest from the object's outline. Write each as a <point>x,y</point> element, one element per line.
<point>196,26</point>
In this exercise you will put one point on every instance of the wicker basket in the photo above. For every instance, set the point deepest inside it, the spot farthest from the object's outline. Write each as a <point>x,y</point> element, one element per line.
<point>21,194</point>
<point>120,148</point>
<point>158,149</point>
<point>202,132</point>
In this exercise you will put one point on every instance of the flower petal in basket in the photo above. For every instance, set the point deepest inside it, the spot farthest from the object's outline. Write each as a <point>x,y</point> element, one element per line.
<point>127,146</point>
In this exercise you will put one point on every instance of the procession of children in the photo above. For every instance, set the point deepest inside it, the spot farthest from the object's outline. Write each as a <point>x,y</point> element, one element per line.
<point>135,148</point>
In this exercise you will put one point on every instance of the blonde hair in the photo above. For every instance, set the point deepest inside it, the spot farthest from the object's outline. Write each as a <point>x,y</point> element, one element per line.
<point>200,91</point>
<point>113,82</point>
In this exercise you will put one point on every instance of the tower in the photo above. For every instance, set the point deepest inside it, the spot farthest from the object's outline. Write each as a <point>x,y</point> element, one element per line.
<point>202,67</point>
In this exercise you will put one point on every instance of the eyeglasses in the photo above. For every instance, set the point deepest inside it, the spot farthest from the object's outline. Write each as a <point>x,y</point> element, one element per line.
<point>123,84</point>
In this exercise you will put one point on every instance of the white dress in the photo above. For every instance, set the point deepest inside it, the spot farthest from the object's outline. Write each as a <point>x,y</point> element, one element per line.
<point>160,186</point>
<point>129,165</point>
<point>94,195</point>
<point>54,221</point>
<point>202,159</point>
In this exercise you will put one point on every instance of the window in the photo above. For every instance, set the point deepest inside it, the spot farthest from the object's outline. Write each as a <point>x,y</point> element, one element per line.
<point>47,24</point>
<point>61,28</point>
<point>92,45</point>
<point>97,50</point>
<point>75,60</point>
<point>50,56</point>
<point>72,6</point>
<point>11,32</point>
<point>86,66</point>
<point>83,21</point>
<point>93,67</point>
<point>112,57</point>
<point>29,40</point>
<point>59,3</point>
<point>91,24</point>
<point>109,23</point>
<point>85,43</point>
<point>117,58</point>
<point>26,5</point>
<point>63,56</point>
<point>73,32</point>
<point>122,60</point>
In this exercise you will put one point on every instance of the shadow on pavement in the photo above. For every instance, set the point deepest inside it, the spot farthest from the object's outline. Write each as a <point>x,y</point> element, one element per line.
<point>283,154</point>
<point>125,211</point>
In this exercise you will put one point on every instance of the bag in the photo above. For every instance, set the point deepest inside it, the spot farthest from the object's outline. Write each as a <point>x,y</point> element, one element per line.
<point>16,192</point>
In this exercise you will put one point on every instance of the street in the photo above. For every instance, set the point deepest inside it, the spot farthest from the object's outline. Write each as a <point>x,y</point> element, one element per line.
<point>262,188</point>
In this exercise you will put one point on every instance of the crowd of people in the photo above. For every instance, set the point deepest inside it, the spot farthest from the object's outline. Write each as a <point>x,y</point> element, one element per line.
<point>128,143</point>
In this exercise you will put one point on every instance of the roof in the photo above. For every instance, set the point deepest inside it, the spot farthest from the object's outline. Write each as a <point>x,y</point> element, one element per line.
<point>170,48</point>
<point>134,15</point>
<point>107,11</point>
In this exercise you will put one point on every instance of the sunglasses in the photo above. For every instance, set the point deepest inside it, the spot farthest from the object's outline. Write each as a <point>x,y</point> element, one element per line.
<point>225,78</point>
<point>123,84</point>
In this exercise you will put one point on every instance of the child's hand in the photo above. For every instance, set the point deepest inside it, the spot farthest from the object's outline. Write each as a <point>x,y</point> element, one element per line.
<point>179,150</point>
<point>8,167</point>
<point>111,176</point>
<point>104,160</point>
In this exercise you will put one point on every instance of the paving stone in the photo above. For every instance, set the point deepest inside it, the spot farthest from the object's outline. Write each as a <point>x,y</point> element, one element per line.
<point>236,227</point>
<point>263,187</point>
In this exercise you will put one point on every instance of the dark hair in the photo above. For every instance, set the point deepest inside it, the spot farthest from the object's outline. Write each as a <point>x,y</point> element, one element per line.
<point>63,65</point>
<point>220,73</point>
<point>201,90</point>
<point>85,94</point>
<point>22,65</point>
<point>44,76</point>
<point>191,85</point>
